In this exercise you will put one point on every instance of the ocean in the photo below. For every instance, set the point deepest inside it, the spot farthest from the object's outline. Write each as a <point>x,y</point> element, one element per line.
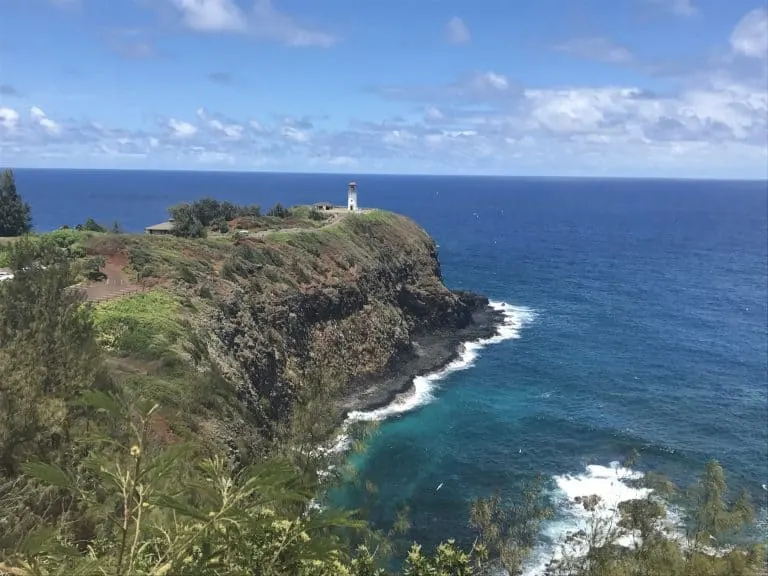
<point>637,315</point>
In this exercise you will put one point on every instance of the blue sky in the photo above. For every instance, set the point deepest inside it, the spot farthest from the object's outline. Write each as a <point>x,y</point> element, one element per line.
<point>672,88</point>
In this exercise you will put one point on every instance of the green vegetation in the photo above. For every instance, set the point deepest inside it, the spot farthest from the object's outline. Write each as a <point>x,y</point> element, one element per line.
<point>279,211</point>
<point>193,219</point>
<point>144,325</point>
<point>196,219</point>
<point>90,225</point>
<point>15,216</point>
<point>130,444</point>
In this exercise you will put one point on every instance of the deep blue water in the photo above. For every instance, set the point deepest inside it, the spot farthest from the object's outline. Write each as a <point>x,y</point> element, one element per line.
<point>650,331</point>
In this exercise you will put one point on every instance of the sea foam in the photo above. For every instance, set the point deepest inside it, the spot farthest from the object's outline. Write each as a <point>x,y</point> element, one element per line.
<point>613,485</point>
<point>421,393</point>
<point>515,318</point>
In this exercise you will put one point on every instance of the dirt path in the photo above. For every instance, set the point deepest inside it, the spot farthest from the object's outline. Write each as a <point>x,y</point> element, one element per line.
<point>337,215</point>
<point>117,284</point>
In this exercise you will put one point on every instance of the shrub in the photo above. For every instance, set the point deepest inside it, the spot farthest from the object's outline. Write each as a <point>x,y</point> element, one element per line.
<point>91,225</point>
<point>205,292</point>
<point>93,268</point>
<point>76,251</point>
<point>145,324</point>
<point>316,215</point>
<point>221,225</point>
<point>139,257</point>
<point>186,274</point>
<point>279,211</point>
<point>146,271</point>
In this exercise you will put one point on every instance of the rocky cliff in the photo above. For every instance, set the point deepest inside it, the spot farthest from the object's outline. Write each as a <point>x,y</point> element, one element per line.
<point>359,306</point>
<point>354,308</point>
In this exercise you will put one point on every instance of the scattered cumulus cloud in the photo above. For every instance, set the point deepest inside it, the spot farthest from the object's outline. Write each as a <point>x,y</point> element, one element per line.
<point>489,81</point>
<point>750,36</point>
<point>211,15</point>
<point>9,119</point>
<point>50,126</point>
<point>713,121</point>
<point>294,134</point>
<point>456,31</point>
<point>263,21</point>
<point>220,126</point>
<point>181,129</point>
<point>271,24</point>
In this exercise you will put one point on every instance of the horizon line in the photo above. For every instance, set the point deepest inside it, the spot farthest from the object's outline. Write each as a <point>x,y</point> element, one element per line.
<point>393,174</point>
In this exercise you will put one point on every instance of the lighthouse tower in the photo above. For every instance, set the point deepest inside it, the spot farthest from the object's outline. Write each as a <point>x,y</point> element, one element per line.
<point>352,197</point>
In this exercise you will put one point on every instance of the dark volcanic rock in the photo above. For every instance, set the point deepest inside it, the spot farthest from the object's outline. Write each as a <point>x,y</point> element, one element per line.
<point>363,314</point>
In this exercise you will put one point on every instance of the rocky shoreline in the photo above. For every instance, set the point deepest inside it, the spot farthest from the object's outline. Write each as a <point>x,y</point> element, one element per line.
<point>430,351</point>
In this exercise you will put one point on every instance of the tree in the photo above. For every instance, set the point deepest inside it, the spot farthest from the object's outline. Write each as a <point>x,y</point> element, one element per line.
<point>279,211</point>
<point>185,221</point>
<point>15,217</point>
<point>91,225</point>
<point>206,210</point>
<point>48,353</point>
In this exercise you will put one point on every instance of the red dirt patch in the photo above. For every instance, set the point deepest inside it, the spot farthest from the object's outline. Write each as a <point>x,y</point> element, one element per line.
<point>117,284</point>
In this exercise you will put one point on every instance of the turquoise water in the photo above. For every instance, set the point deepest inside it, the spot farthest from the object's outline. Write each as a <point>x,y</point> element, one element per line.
<point>643,312</point>
<point>639,311</point>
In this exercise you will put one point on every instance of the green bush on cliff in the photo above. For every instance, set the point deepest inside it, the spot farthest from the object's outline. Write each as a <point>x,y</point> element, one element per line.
<point>146,324</point>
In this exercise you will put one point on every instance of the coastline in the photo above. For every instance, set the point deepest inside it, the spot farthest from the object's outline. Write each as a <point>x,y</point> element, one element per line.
<point>430,352</point>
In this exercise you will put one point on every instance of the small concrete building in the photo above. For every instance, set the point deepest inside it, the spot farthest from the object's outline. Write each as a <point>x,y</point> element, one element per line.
<point>162,228</point>
<point>352,197</point>
<point>324,206</point>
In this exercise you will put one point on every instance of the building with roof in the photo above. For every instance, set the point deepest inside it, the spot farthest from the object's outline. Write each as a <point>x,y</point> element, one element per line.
<point>162,228</point>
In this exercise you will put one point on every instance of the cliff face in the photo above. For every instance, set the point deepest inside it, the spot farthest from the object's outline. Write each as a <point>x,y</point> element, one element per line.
<point>341,306</point>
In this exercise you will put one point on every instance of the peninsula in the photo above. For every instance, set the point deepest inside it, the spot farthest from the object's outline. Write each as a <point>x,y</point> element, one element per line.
<point>345,301</point>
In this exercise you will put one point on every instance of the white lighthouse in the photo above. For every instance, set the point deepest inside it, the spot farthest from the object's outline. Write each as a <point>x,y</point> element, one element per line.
<point>352,197</point>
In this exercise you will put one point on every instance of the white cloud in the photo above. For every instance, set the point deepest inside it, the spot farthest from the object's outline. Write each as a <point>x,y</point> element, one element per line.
<point>50,126</point>
<point>181,129</point>
<point>456,31</point>
<point>596,48</point>
<point>211,15</point>
<point>295,134</point>
<point>484,81</point>
<point>9,118</point>
<point>750,36</point>
<point>228,130</point>
<point>232,131</point>
<point>271,24</point>
<point>263,21</point>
